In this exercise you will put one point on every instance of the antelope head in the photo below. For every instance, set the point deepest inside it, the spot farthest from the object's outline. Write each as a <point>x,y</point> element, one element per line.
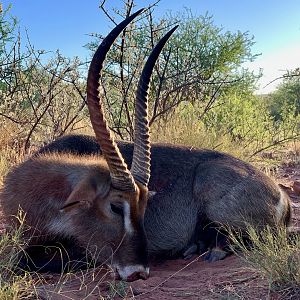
<point>119,196</point>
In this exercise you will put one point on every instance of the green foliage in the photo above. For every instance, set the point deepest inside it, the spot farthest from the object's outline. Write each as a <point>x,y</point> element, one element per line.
<point>211,50</point>
<point>7,29</point>
<point>7,37</point>
<point>245,119</point>
<point>286,97</point>
<point>200,61</point>
<point>185,128</point>
<point>240,124</point>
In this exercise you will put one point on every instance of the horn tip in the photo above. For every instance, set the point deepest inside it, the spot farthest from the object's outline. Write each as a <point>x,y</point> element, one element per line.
<point>139,11</point>
<point>173,29</point>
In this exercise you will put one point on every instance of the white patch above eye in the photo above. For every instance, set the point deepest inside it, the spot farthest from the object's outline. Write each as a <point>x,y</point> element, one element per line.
<point>127,220</point>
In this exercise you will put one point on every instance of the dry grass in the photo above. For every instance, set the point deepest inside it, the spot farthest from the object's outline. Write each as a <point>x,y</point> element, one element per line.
<point>13,286</point>
<point>275,255</point>
<point>8,158</point>
<point>188,131</point>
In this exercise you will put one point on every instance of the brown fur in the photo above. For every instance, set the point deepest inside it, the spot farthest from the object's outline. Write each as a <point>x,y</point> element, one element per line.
<point>69,196</point>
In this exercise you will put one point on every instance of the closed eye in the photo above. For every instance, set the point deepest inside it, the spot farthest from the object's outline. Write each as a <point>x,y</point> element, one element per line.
<point>117,209</point>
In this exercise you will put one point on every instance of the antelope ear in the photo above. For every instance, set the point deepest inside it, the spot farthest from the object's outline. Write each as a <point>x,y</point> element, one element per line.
<point>69,206</point>
<point>85,192</point>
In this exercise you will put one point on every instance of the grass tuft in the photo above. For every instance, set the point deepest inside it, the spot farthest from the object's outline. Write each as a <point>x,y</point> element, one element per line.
<point>276,255</point>
<point>12,285</point>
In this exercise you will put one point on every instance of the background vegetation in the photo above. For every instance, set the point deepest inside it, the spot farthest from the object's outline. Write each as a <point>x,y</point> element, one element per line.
<point>200,94</point>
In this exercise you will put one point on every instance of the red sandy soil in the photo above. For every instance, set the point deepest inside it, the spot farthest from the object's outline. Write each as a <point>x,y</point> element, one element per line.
<point>179,279</point>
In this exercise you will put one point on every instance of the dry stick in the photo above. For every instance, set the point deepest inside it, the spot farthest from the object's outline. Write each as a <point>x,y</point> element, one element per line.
<point>51,85</point>
<point>162,77</point>
<point>130,130</point>
<point>125,95</point>
<point>153,4</point>
<point>78,91</point>
<point>117,127</point>
<point>171,276</point>
<point>161,80</point>
<point>151,29</point>
<point>67,125</point>
<point>275,143</point>
<point>37,122</point>
<point>101,6</point>
<point>165,110</point>
<point>18,60</point>
<point>72,121</point>
<point>124,103</point>
<point>111,116</point>
<point>180,72</point>
<point>117,130</point>
<point>282,77</point>
<point>34,109</point>
<point>212,100</point>
<point>125,90</point>
<point>12,119</point>
<point>184,85</point>
<point>53,73</point>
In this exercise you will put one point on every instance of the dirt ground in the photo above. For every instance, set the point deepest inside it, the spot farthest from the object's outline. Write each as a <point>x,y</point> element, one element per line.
<point>179,279</point>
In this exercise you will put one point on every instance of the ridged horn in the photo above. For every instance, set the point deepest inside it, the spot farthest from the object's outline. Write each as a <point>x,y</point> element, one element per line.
<point>140,168</point>
<point>120,176</point>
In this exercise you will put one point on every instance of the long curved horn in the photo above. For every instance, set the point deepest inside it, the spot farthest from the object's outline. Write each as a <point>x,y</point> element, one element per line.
<point>140,168</point>
<point>120,175</point>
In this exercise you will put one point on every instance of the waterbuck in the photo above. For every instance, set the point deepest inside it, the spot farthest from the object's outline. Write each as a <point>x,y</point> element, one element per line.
<point>191,192</point>
<point>194,191</point>
<point>95,201</point>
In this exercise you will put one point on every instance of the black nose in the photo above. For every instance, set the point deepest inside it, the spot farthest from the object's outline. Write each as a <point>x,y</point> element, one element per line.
<point>138,275</point>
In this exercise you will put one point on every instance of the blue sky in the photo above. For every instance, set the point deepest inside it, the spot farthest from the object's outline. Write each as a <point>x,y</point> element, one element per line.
<point>65,25</point>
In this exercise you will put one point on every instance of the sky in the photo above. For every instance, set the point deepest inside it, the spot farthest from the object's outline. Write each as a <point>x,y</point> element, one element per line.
<point>66,25</point>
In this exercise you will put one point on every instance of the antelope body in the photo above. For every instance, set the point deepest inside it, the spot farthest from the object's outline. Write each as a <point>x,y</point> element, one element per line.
<point>193,189</point>
<point>78,189</point>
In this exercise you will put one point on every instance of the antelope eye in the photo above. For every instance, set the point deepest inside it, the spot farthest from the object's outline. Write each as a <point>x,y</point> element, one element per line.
<point>117,208</point>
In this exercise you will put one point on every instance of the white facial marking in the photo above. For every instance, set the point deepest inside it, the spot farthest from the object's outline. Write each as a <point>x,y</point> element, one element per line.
<point>125,272</point>
<point>281,206</point>
<point>127,220</point>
